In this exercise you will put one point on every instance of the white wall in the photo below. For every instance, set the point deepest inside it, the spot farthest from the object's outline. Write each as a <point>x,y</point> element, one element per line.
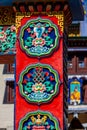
<point>6,110</point>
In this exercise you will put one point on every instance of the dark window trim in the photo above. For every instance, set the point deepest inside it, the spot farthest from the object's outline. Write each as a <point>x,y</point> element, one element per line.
<point>9,92</point>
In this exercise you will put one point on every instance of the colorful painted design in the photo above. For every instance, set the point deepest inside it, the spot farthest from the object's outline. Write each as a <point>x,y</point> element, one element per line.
<point>39,83</point>
<point>7,40</point>
<point>39,120</point>
<point>75,91</point>
<point>39,37</point>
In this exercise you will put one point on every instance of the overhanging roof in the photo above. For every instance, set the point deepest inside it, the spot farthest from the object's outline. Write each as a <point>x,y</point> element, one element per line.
<point>75,6</point>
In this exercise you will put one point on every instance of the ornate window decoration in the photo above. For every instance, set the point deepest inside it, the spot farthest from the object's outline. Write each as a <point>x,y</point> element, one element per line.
<point>75,95</point>
<point>39,120</point>
<point>39,37</point>
<point>39,83</point>
<point>7,39</point>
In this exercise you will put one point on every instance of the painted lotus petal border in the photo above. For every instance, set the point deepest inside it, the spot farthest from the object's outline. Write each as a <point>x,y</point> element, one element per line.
<point>39,37</point>
<point>39,120</point>
<point>39,83</point>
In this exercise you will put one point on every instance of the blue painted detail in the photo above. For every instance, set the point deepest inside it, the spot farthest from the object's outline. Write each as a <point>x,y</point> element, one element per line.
<point>39,120</point>
<point>39,37</point>
<point>39,83</point>
<point>75,91</point>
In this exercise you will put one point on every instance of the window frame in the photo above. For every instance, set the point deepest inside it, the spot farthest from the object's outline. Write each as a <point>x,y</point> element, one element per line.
<point>9,92</point>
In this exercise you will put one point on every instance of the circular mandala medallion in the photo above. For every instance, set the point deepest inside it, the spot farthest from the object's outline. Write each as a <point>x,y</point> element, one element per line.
<point>39,37</point>
<point>39,83</point>
<point>39,120</point>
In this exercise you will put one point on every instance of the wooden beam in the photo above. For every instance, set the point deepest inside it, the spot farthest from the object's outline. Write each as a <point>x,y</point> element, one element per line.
<point>7,59</point>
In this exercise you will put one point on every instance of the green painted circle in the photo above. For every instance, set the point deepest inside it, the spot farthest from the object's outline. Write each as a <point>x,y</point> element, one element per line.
<point>39,37</point>
<point>30,120</point>
<point>39,86</point>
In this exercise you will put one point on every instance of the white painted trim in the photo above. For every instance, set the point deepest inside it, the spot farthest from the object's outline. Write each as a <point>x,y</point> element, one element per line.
<point>9,79</point>
<point>77,49</point>
<point>77,109</point>
<point>78,76</point>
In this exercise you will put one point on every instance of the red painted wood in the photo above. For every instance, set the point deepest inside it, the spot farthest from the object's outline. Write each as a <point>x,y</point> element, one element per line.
<point>56,61</point>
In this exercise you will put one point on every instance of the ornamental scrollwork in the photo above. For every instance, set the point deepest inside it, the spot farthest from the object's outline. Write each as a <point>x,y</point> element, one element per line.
<point>61,21</point>
<point>39,37</point>
<point>39,120</point>
<point>39,83</point>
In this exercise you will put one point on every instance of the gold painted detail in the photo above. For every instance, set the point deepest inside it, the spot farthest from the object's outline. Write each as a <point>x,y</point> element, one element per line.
<point>61,22</point>
<point>19,17</point>
<point>7,16</point>
<point>60,16</point>
<point>18,22</point>
<point>74,35</point>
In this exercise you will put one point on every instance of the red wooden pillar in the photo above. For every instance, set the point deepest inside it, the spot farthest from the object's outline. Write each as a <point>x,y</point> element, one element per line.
<point>39,72</point>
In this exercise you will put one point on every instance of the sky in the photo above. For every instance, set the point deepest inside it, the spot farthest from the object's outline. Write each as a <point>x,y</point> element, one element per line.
<point>83,27</point>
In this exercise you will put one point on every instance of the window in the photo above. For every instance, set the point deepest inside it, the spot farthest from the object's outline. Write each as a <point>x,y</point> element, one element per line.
<point>9,68</point>
<point>9,92</point>
<point>81,64</point>
<point>69,64</point>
